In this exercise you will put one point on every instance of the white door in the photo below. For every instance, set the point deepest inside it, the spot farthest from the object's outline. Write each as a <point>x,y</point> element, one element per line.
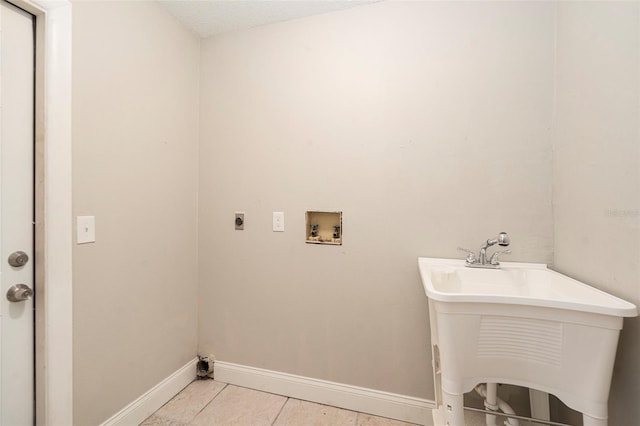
<point>16,216</point>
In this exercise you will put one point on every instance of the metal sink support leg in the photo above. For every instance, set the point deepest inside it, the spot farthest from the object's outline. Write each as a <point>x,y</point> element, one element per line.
<point>539,405</point>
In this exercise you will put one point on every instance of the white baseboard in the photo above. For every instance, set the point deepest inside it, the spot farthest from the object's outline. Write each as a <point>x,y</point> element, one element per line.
<point>384,404</point>
<point>136,412</point>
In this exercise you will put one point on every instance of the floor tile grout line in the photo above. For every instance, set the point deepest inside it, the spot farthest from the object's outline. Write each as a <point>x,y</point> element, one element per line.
<point>226,386</point>
<point>160,416</point>
<point>280,412</point>
<point>207,404</point>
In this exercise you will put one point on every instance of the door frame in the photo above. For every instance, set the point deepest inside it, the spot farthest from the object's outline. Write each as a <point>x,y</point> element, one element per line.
<point>54,232</point>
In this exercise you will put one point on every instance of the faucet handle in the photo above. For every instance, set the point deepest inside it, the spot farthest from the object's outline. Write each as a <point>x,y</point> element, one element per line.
<point>471,257</point>
<point>494,257</point>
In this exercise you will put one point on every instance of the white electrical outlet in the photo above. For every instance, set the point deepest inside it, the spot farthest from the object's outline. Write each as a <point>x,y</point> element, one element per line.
<point>278,221</point>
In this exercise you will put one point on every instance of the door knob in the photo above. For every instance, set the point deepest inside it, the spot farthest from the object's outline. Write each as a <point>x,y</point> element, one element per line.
<point>19,293</point>
<point>18,259</point>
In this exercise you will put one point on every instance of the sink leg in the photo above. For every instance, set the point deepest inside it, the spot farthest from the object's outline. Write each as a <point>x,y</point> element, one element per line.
<point>453,409</point>
<point>539,405</point>
<point>592,421</point>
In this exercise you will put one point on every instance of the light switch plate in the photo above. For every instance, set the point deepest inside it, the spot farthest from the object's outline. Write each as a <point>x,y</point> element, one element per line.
<point>278,221</point>
<point>86,229</point>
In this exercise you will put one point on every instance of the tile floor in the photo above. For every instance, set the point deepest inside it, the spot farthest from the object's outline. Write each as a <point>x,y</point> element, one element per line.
<point>208,402</point>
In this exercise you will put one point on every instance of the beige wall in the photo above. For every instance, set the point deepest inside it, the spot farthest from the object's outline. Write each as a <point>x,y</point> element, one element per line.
<point>426,123</point>
<point>597,168</point>
<point>135,136</point>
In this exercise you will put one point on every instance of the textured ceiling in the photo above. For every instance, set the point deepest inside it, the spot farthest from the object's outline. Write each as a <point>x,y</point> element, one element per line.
<point>210,17</point>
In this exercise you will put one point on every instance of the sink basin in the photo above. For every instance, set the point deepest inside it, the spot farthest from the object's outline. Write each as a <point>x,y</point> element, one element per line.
<point>524,325</point>
<point>516,283</point>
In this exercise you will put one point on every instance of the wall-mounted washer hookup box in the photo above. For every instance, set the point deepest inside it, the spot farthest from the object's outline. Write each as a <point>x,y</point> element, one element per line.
<point>323,227</point>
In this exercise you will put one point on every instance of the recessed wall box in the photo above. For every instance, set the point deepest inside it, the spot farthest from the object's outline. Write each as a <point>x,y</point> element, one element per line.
<point>239,221</point>
<point>323,227</point>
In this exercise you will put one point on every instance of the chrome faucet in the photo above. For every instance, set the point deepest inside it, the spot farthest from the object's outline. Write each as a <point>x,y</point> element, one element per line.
<point>480,261</point>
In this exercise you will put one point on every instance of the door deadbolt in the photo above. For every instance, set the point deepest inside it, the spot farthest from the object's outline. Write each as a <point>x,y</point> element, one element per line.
<point>18,259</point>
<point>19,293</point>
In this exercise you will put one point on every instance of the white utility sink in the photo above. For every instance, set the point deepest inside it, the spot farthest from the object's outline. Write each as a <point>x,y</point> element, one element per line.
<point>524,325</point>
<point>532,284</point>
